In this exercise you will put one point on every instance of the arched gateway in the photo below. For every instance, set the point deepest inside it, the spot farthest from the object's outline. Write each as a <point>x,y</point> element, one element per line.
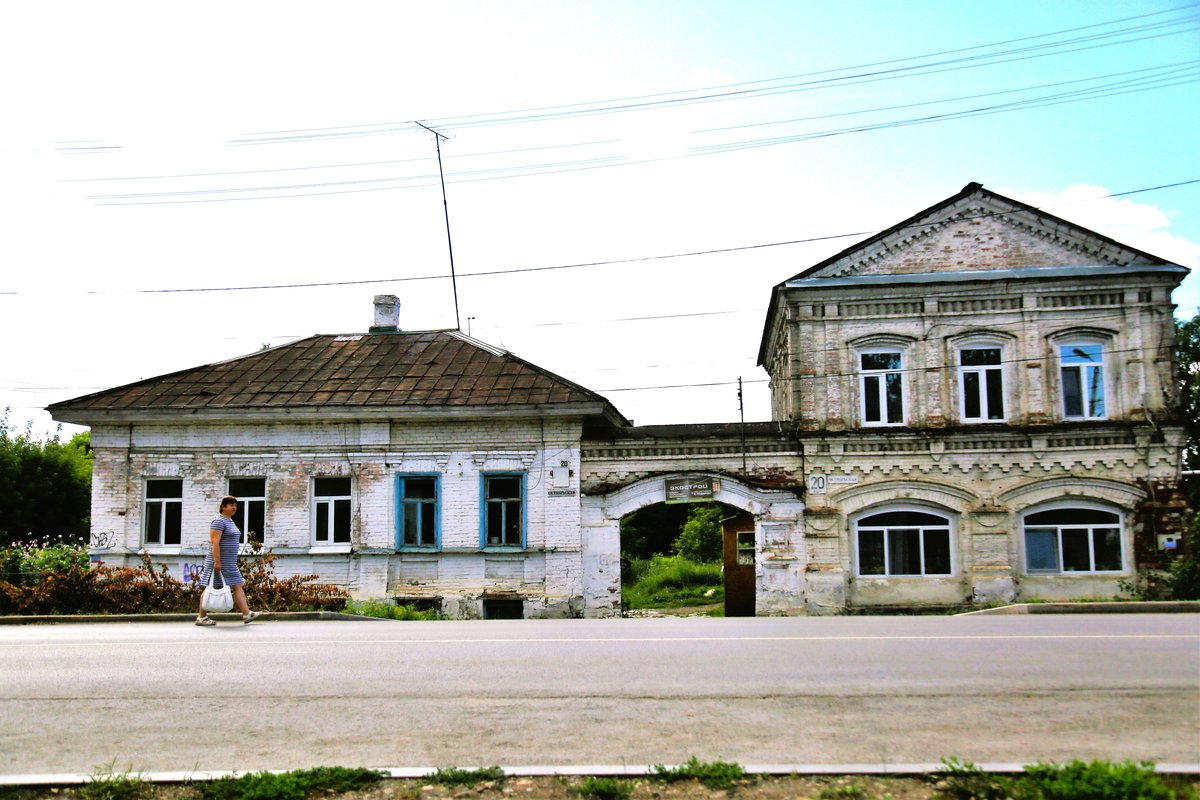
<point>778,537</point>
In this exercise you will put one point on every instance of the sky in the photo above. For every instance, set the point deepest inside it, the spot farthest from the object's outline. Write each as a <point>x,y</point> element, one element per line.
<point>625,181</point>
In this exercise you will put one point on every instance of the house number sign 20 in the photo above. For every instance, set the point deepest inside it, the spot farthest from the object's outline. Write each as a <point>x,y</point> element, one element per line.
<point>819,482</point>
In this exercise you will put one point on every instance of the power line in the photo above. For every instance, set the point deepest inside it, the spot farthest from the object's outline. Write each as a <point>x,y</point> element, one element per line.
<point>393,183</point>
<point>735,90</point>
<point>580,265</point>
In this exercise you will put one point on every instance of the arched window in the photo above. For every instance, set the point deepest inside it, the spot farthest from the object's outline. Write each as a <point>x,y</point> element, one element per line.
<point>1077,539</point>
<point>903,542</point>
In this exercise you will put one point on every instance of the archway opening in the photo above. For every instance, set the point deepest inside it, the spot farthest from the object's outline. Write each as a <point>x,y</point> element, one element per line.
<point>688,558</point>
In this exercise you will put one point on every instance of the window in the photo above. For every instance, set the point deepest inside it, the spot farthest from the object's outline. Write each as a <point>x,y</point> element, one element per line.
<point>164,511</point>
<point>903,543</point>
<point>416,511</point>
<point>1082,365</point>
<point>251,514</point>
<point>331,512</point>
<point>881,385</point>
<point>1072,540</point>
<point>981,384</point>
<point>503,521</point>
<point>745,548</point>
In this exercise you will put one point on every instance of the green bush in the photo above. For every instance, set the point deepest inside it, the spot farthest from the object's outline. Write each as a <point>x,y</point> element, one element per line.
<point>1100,780</point>
<point>294,785</point>
<point>384,609</point>
<point>713,774</point>
<point>24,563</point>
<point>666,581</point>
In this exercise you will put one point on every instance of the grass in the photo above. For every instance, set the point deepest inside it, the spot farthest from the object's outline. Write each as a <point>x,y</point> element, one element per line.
<point>452,776</point>
<point>604,789</point>
<point>384,609</point>
<point>713,774</point>
<point>671,582</point>
<point>294,785</point>
<point>846,791</point>
<point>107,784</point>
<point>1095,780</point>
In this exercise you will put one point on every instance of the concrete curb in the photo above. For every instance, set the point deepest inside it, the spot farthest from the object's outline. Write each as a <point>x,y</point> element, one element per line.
<point>1113,607</point>
<point>572,770</point>
<point>268,616</point>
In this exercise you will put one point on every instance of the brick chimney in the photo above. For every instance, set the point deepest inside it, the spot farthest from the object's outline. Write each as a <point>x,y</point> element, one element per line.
<point>387,314</point>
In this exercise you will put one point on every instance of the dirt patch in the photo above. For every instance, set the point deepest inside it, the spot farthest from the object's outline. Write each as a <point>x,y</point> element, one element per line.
<point>764,788</point>
<point>826,787</point>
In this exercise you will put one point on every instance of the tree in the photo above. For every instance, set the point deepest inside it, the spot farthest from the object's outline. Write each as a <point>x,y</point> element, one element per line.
<point>700,539</point>
<point>1187,364</point>
<point>45,486</point>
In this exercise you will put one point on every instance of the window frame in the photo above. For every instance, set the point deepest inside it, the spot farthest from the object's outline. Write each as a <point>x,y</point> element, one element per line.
<point>402,502</point>
<point>1090,527</point>
<point>331,516</point>
<point>243,511</point>
<point>484,501</point>
<point>1066,342</point>
<point>950,528</point>
<point>881,375</point>
<point>162,503</point>
<point>982,371</point>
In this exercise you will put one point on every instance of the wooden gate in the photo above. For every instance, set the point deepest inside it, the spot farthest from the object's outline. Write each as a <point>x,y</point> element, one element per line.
<point>738,538</point>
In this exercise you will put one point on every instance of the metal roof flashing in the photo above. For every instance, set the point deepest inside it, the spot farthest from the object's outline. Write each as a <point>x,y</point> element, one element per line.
<point>961,276</point>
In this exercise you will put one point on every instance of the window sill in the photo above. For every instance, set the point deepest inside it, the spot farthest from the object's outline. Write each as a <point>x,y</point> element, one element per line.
<point>324,549</point>
<point>938,576</point>
<point>161,550</point>
<point>1115,573</point>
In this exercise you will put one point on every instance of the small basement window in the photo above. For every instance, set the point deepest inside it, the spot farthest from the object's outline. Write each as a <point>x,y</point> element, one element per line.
<point>503,608</point>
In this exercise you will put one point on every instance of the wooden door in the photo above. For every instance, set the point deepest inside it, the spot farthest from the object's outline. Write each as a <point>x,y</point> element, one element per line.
<point>738,536</point>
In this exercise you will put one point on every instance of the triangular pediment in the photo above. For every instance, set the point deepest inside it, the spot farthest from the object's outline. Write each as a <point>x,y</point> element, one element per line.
<point>978,230</point>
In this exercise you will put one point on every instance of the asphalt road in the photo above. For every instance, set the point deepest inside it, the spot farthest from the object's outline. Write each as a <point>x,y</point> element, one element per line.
<point>834,690</point>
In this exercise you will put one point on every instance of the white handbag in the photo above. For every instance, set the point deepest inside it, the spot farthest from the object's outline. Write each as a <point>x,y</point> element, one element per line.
<point>215,599</point>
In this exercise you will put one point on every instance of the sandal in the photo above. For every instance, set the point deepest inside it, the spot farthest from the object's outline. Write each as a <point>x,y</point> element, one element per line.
<point>206,622</point>
<point>248,618</point>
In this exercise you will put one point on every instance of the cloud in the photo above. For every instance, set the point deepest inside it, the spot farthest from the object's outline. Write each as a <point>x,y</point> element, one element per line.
<point>1130,222</point>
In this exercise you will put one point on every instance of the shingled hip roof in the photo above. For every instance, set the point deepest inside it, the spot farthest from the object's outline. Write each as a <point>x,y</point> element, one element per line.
<point>361,374</point>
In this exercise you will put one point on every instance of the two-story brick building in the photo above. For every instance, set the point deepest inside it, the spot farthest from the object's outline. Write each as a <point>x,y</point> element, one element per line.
<point>983,393</point>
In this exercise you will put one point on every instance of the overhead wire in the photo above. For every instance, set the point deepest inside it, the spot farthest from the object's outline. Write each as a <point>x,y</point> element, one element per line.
<point>734,90</point>
<point>578,265</point>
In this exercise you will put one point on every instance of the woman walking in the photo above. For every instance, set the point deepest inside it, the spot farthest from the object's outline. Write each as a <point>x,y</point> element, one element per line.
<point>222,557</point>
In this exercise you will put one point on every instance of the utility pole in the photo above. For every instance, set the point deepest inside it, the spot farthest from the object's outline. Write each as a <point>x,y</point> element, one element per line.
<point>742,413</point>
<point>437,139</point>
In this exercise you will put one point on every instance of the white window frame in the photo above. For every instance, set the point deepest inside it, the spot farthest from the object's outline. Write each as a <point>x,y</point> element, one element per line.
<point>1067,505</point>
<point>881,378</point>
<point>1084,370</point>
<point>330,502</point>
<point>982,372</point>
<point>162,503</point>
<point>242,517</point>
<point>950,528</point>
